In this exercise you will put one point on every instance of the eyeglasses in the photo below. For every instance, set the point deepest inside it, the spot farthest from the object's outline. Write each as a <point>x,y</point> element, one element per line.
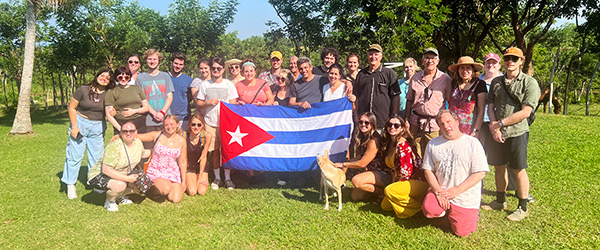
<point>133,62</point>
<point>427,93</point>
<point>429,58</point>
<point>123,77</point>
<point>196,124</point>
<point>234,67</point>
<point>128,131</point>
<point>511,58</point>
<point>366,123</point>
<point>392,125</point>
<point>216,68</point>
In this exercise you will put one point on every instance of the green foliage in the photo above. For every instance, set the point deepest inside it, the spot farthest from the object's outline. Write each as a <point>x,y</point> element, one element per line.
<point>35,213</point>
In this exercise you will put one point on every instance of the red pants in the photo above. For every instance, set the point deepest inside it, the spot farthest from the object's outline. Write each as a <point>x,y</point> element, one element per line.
<point>462,220</point>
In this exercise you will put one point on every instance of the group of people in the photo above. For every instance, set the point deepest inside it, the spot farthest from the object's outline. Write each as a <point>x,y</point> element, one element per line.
<point>421,142</point>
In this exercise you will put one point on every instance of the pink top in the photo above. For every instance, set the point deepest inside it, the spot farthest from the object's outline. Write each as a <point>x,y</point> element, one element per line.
<point>438,92</point>
<point>164,163</point>
<point>247,92</point>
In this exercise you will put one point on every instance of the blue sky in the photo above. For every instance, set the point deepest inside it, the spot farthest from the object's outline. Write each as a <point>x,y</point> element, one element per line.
<point>249,21</point>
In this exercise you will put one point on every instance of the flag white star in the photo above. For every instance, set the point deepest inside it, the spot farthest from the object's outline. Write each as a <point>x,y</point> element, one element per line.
<point>236,136</point>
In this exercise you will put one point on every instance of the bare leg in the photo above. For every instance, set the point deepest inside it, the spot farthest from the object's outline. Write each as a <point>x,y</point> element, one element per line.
<point>202,183</point>
<point>501,177</point>
<point>522,183</point>
<point>191,183</point>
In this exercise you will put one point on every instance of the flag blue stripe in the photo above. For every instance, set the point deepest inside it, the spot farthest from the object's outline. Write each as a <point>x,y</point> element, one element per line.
<point>300,137</point>
<point>274,111</point>
<point>279,164</point>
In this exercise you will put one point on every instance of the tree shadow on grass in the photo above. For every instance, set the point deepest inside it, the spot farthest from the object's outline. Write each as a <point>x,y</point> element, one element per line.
<point>53,115</point>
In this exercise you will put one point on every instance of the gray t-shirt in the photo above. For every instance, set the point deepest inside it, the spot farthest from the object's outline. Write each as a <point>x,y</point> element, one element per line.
<point>156,89</point>
<point>311,91</point>
<point>453,161</point>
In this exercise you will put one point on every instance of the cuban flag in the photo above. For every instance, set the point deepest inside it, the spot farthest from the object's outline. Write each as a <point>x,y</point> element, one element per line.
<point>283,139</point>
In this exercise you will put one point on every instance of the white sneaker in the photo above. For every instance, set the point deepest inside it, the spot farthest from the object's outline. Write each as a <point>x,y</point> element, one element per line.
<point>71,192</point>
<point>281,183</point>
<point>111,206</point>
<point>215,184</point>
<point>124,200</point>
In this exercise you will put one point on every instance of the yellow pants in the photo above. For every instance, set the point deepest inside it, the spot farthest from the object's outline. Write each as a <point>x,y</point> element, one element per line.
<point>404,197</point>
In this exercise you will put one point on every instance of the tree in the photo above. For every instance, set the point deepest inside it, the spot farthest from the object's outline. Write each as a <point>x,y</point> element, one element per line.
<point>22,122</point>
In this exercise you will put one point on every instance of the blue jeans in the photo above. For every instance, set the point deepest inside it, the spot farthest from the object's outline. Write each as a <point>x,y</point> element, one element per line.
<point>92,136</point>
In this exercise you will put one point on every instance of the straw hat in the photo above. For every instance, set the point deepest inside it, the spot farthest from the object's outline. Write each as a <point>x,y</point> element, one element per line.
<point>466,60</point>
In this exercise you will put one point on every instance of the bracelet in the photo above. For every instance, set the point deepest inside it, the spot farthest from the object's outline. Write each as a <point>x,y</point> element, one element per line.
<point>476,130</point>
<point>162,112</point>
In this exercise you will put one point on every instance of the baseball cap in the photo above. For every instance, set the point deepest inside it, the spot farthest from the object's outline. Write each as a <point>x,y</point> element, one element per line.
<point>276,54</point>
<point>431,50</point>
<point>491,56</point>
<point>375,47</point>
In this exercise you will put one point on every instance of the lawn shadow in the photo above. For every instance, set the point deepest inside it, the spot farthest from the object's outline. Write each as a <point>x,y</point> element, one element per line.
<point>94,198</point>
<point>81,177</point>
<point>54,115</point>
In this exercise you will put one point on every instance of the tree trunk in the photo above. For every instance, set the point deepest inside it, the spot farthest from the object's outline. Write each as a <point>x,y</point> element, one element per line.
<point>53,89</point>
<point>566,101</point>
<point>589,89</point>
<point>62,91</point>
<point>43,87</point>
<point>22,122</point>
<point>5,93</point>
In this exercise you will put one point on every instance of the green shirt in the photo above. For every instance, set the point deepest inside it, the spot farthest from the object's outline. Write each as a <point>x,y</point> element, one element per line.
<point>115,156</point>
<point>121,98</point>
<point>525,88</point>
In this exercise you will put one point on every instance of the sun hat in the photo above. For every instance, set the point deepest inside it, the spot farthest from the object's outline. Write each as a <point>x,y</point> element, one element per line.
<point>466,60</point>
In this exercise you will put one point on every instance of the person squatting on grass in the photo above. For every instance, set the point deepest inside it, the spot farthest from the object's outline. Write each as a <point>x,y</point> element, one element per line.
<point>197,141</point>
<point>454,165</point>
<point>510,102</point>
<point>86,114</point>
<point>405,195</point>
<point>168,165</point>
<point>113,172</point>
<point>366,144</point>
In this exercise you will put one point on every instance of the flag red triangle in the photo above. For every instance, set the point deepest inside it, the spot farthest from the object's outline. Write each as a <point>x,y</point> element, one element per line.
<point>238,135</point>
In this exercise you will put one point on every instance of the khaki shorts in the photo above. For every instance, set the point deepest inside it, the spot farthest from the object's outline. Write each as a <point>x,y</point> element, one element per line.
<point>215,137</point>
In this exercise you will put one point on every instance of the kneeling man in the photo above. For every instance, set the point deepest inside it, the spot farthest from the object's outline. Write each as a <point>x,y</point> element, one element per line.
<point>454,165</point>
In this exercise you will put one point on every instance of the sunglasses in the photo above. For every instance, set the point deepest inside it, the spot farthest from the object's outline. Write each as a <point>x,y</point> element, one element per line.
<point>280,78</point>
<point>133,62</point>
<point>234,67</point>
<point>366,123</point>
<point>128,131</point>
<point>125,77</point>
<point>392,125</point>
<point>217,68</point>
<point>196,124</point>
<point>511,58</point>
<point>427,93</point>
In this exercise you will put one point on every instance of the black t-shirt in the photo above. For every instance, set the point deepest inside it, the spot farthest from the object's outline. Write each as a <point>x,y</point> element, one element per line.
<point>374,92</point>
<point>321,71</point>
<point>91,106</point>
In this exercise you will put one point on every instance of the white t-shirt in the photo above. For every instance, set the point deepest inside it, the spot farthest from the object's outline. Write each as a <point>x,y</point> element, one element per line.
<point>339,92</point>
<point>223,91</point>
<point>453,161</point>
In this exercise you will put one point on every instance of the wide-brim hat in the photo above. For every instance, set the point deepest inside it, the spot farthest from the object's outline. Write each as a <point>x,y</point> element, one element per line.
<point>466,60</point>
<point>232,61</point>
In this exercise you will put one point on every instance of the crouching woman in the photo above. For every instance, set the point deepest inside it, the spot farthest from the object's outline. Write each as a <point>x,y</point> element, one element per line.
<point>405,195</point>
<point>111,173</point>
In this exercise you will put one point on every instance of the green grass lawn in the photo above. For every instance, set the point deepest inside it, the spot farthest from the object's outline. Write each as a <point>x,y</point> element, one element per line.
<point>564,160</point>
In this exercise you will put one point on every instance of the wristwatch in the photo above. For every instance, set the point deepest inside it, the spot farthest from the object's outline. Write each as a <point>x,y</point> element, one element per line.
<point>501,123</point>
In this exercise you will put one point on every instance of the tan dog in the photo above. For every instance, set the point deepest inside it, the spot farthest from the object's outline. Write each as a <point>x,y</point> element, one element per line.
<point>331,178</point>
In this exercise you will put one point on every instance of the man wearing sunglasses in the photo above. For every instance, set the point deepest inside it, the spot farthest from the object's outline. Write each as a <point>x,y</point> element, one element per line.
<point>158,87</point>
<point>510,130</point>
<point>428,92</point>
<point>182,95</point>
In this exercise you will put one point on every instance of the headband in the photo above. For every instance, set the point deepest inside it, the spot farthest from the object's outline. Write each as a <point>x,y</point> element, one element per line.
<point>249,63</point>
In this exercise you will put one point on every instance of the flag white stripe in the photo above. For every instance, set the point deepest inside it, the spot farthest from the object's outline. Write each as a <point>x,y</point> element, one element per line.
<point>298,150</point>
<point>303,124</point>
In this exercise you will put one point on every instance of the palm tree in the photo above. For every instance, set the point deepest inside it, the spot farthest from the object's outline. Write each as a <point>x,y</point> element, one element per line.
<point>22,122</point>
